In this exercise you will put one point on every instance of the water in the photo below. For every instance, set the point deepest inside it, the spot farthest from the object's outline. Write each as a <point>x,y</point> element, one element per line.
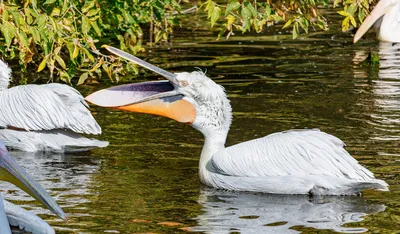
<point>146,180</point>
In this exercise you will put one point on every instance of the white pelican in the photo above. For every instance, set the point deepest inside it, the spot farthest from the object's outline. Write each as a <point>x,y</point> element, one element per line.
<point>15,216</point>
<point>386,16</point>
<point>290,162</point>
<point>46,117</point>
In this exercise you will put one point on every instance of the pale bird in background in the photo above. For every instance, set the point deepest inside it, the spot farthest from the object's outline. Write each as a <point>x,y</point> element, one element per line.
<point>386,20</point>
<point>290,162</point>
<point>12,215</point>
<point>47,117</point>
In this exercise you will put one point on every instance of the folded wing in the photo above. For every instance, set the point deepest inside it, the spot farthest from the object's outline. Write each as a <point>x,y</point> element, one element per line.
<point>290,153</point>
<point>46,107</point>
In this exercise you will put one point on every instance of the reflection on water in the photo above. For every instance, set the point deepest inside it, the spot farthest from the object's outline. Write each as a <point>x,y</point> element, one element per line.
<point>63,176</point>
<point>385,117</point>
<point>266,213</point>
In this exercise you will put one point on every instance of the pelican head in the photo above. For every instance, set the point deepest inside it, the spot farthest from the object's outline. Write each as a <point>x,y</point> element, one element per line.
<point>10,171</point>
<point>190,98</point>
<point>387,12</point>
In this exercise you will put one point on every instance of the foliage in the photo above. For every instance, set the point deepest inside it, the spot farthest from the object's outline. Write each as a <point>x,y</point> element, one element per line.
<point>353,9</point>
<point>247,15</point>
<point>63,35</point>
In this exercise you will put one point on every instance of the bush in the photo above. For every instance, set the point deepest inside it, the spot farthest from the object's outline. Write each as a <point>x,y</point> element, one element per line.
<point>63,35</point>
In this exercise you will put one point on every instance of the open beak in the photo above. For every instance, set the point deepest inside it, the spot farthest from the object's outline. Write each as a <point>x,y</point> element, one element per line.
<point>380,9</point>
<point>10,171</point>
<point>157,97</point>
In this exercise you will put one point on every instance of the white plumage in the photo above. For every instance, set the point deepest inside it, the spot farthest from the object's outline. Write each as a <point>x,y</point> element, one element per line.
<point>388,28</point>
<point>291,162</point>
<point>37,113</point>
<point>386,20</point>
<point>26,220</point>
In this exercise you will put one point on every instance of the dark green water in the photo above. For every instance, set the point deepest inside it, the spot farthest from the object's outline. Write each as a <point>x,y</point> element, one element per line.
<point>146,181</point>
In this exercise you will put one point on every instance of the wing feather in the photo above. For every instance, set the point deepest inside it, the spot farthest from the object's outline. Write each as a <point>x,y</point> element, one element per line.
<point>295,152</point>
<point>46,107</point>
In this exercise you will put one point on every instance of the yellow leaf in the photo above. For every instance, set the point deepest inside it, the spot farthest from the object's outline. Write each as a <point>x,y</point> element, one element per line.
<point>76,52</point>
<point>288,23</point>
<point>42,65</point>
<point>82,78</point>
<point>230,19</point>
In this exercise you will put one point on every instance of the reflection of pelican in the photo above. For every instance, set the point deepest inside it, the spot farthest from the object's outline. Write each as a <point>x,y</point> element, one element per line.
<point>291,162</point>
<point>386,14</point>
<point>386,94</point>
<point>14,215</point>
<point>44,117</point>
<point>225,211</point>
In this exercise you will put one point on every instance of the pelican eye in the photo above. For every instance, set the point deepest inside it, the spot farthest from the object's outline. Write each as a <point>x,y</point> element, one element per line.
<point>183,83</point>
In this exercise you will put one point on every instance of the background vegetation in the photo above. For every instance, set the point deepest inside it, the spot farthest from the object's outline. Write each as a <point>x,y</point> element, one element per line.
<point>63,36</point>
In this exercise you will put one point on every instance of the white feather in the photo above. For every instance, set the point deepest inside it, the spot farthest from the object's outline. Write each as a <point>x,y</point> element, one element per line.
<point>46,107</point>
<point>25,220</point>
<point>291,162</point>
<point>58,141</point>
<point>36,113</point>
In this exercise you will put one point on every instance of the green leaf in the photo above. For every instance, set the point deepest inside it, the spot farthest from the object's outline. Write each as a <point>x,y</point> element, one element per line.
<point>304,24</point>
<point>49,1</point>
<point>361,16</point>
<point>96,28</point>
<point>64,76</point>
<point>23,39</point>
<point>65,7</point>
<point>92,12</point>
<point>246,14</point>
<point>83,78</point>
<point>8,31</point>
<point>28,16</point>
<point>352,9</point>
<point>232,6</point>
<point>215,15</point>
<point>251,9</point>
<point>60,61</point>
<point>295,31</point>
<point>85,24</point>
<point>41,21</point>
<point>35,34</point>
<point>87,7</point>
<point>4,16</point>
<point>88,54</point>
<point>107,70</point>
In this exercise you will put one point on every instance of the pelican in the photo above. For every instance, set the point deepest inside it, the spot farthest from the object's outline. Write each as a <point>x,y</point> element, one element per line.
<point>290,162</point>
<point>16,216</point>
<point>386,16</point>
<point>47,117</point>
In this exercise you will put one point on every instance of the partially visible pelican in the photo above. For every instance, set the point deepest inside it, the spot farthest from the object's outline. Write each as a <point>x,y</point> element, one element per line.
<point>15,216</point>
<point>290,162</point>
<point>386,16</point>
<point>46,117</point>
